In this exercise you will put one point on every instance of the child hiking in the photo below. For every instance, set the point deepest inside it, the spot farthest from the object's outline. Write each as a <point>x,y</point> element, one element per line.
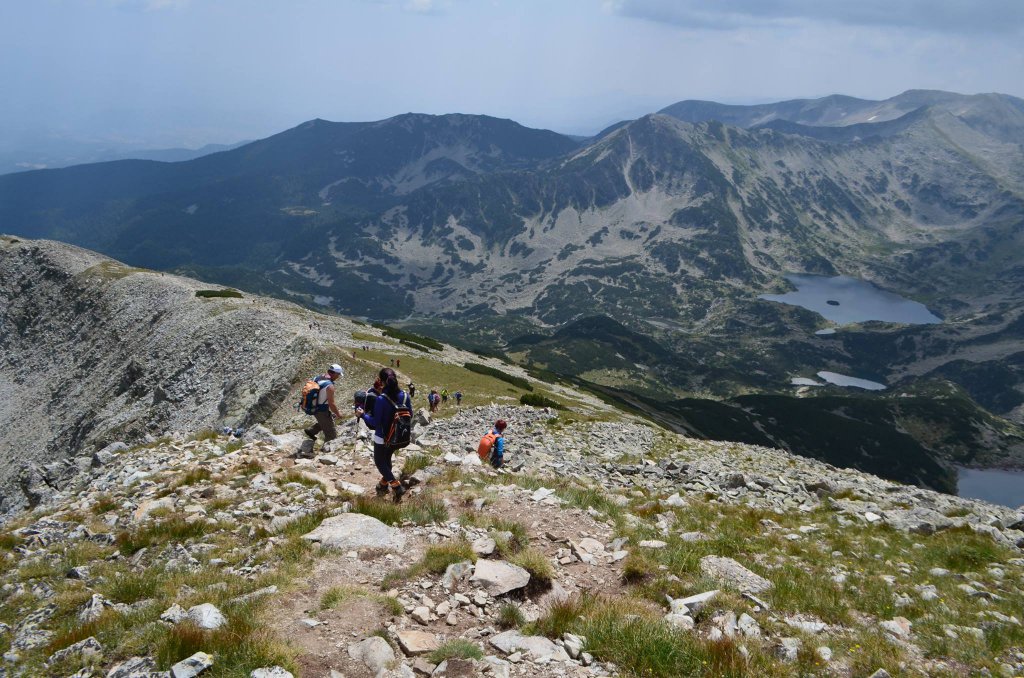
<point>391,421</point>
<point>492,445</point>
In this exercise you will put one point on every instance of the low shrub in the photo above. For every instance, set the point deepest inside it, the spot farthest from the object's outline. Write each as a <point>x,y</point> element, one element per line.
<point>537,400</point>
<point>401,335</point>
<point>510,616</point>
<point>498,374</point>
<point>537,564</point>
<point>225,293</point>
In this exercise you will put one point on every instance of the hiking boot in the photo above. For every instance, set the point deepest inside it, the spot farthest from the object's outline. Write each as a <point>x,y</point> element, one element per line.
<point>382,490</point>
<point>397,491</point>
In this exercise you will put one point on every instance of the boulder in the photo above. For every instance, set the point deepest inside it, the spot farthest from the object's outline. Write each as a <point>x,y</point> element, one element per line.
<point>374,653</point>
<point>206,616</point>
<point>83,649</point>
<point>731,573</point>
<point>354,531</point>
<point>133,668</point>
<point>192,666</point>
<point>538,647</point>
<point>271,672</point>
<point>415,643</point>
<point>498,577</point>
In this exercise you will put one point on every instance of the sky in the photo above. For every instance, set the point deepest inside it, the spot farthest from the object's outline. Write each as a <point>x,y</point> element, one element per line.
<point>163,73</point>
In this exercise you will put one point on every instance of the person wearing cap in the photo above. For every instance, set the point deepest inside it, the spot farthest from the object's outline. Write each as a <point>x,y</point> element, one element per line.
<point>326,410</point>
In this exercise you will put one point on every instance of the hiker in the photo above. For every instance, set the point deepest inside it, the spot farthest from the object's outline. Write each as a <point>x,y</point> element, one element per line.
<point>444,395</point>
<point>433,399</point>
<point>366,400</point>
<point>380,420</point>
<point>398,362</point>
<point>492,446</point>
<point>458,397</point>
<point>321,404</point>
<point>412,390</point>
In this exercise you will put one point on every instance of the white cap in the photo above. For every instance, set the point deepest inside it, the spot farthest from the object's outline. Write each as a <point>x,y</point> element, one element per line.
<point>336,368</point>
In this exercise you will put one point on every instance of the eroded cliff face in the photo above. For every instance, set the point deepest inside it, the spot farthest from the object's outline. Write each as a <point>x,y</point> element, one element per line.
<point>93,351</point>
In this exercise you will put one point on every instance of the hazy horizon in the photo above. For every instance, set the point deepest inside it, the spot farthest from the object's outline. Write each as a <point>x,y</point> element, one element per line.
<point>185,73</point>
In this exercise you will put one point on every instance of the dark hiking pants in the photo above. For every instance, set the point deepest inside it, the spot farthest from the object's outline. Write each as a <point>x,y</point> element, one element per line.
<point>325,423</point>
<point>382,459</point>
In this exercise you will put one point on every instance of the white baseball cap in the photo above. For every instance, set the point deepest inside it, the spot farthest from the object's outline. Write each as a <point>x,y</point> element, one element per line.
<point>336,369</point>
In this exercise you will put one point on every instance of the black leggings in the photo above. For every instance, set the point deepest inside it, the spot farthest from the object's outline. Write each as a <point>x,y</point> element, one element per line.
<point>382,458</point>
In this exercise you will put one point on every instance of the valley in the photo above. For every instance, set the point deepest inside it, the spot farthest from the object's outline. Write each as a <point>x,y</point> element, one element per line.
<point>631,262</point>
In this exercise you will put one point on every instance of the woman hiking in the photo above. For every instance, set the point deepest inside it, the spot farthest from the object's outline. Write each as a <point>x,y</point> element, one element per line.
<point>379,420</point>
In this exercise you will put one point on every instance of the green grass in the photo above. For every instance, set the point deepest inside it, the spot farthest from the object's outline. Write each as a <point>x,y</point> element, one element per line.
<point>423,510</point>
<point>510,616</point>
<point>172,529</point>
<point>537,564</point>
<point>293,476</point>
<point>103,503</point>
<point>193,476</point>
<point>456,649</point>
<point>415,462</point>
<point>226,293</point>
<point>409,337</point>
<point>435,560</point>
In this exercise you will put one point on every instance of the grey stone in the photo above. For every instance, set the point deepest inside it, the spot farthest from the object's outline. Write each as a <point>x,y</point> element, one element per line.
<point>374,652</point>
<point>206,616</point>
<point>692,604</point>
<point>897,626</point>
<point>174,614</point>
<point>415,643</point>
<point>456,573</point>
<point>305,450</point>
<point>880,673</point>
<point>498,577</point>
<point>135,667</point>
<point>354,531</point>
<point>93,609</point>
<point>192,666</point>
<point>731,573</point>
<point>271,672</point>
<point>538,647</point>
<point>573,644</point>
<point>787,649</point>
<point>90,648</point>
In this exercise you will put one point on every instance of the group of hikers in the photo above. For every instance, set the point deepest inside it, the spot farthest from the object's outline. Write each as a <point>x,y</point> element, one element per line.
<point>436,399</point>
<point>387,410</point>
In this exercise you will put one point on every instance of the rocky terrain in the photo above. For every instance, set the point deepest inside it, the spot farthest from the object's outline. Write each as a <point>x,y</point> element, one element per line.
<point>94,352</point>
<point>605,548</point>
<point>192,530</point>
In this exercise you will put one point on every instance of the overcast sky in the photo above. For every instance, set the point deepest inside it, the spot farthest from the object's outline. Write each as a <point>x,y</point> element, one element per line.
<point>187,72</point>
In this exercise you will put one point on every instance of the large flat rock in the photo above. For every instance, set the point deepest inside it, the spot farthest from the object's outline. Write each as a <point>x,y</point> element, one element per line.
<point>354,531</point>
<point>733,575</point>
<point>498,576</point>
<point>538,647</point>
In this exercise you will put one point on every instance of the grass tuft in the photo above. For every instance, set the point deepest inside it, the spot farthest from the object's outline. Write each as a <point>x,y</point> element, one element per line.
<point>459,648</point>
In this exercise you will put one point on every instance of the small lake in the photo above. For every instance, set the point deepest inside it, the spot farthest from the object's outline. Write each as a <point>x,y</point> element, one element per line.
<point>992,485</point>
<point>845,380</point>
<point>843,300</point>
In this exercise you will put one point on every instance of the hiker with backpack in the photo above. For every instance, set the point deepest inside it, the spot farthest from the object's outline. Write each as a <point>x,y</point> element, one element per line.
<point>491,449</point>
<point>317,399</point>
<point>391,421</point>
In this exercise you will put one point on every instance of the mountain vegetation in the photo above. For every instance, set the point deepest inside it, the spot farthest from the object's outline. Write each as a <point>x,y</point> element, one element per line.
<point>631,262</point>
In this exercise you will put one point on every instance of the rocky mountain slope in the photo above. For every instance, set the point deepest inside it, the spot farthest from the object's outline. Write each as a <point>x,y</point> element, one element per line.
<point>606,547</point>
<point>483,230</point>
<point>646,553</point>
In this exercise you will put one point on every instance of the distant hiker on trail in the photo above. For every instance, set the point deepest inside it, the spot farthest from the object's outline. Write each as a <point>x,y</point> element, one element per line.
<point>412,390</point>
<point>392,411</point>
<point>433,400</point>
<point>398,362</point>
<point>458,397</point>
<point>392,362</point>
<point>444,395</point>
<point>318,400</point>
<point>492,446</point>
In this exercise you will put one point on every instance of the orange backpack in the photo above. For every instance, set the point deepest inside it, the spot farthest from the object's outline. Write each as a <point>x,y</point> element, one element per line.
<point>486,445</point>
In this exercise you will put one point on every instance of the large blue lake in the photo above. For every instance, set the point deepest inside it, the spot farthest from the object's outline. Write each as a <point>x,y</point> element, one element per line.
<point>998,487</point>
<point>843,300</point>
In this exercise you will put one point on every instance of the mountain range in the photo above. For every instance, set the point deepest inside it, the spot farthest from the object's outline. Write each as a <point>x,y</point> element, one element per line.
<point>645,248</point>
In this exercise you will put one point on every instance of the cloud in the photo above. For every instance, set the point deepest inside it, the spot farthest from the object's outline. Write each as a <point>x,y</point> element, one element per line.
<point>943,16</point>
